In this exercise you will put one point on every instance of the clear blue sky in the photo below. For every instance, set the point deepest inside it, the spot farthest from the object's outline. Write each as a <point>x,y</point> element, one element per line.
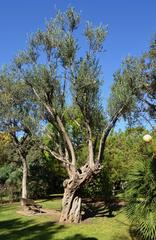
<point>131,25</point>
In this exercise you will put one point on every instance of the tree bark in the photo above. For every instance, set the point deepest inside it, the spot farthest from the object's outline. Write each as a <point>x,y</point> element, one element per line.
<point>71,203</point>
<point>24,181</point>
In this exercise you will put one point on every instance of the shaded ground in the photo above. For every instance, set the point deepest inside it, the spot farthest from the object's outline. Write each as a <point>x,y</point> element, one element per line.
<point>14,226</point>
<point>100,209</point>
<point>17,229</point>
<point>47,212</point>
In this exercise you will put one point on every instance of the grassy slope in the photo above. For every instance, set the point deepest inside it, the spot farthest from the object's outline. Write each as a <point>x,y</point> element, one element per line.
<point>14,226</point>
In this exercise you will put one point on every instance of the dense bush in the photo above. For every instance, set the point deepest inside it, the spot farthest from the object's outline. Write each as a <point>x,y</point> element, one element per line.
<point>141,194</point>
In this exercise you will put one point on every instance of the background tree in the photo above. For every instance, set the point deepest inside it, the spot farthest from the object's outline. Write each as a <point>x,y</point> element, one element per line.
<point>9,173</point>
<point>124,148</point>
<point>46,174</point>
<point>5,147</point>
<point>149,87</point>
<point>145,66</point>
<point>18,119</point>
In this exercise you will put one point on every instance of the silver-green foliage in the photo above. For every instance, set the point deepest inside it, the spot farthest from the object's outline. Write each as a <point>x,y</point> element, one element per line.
<point>126,88</point>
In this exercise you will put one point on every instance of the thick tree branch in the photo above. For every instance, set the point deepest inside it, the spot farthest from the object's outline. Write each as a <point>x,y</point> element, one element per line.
<point>106,132</point>
<point>52,112</point>
<point>67,139</point>
<point>90,142</point>
<point>90,146</point>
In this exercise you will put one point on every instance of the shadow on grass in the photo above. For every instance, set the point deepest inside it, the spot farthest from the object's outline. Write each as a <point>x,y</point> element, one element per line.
<point>100,210</point>
<point>16,229</point>
<point>134,233</point>
<point>80,237</point>
<point>51,197</point>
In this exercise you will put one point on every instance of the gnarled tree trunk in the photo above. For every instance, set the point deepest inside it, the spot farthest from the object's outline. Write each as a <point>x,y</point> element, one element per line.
<point>71,203</point>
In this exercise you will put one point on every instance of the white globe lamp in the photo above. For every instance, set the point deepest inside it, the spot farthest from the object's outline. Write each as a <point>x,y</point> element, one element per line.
<point>147,138</point>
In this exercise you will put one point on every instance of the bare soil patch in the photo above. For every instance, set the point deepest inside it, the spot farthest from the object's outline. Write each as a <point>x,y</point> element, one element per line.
<point>55,214</point>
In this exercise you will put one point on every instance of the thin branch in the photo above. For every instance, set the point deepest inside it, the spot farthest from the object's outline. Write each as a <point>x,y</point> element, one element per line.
<point>15,139</point>
<point>148,121</point>
<point>19,147</point>
<point>64,89</point>
<point>56,155</point>
<point>24,138</point>
<point>149,103</point>
<point>73,119</point>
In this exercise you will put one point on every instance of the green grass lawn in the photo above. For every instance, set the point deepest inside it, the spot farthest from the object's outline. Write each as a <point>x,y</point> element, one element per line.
<point>14,226</point>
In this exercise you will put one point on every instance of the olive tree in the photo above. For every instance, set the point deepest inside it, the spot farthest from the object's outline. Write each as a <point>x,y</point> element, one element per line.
<point>66,86</point>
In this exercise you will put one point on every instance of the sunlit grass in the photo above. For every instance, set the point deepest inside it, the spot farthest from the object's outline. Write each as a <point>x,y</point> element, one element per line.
<point>14,226</point>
